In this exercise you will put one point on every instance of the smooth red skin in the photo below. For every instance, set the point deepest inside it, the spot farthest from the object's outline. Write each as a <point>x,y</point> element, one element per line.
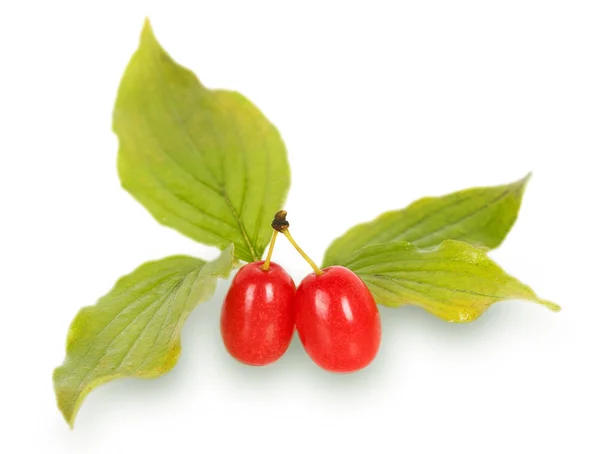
<point>257,317</point>
<point>337,320</point>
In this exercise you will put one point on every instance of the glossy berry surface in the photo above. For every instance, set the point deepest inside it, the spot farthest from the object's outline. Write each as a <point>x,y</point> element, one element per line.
<point>337,320</point>
<point>257,317</point>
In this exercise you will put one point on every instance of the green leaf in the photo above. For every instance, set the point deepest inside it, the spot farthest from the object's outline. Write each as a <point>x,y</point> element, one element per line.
<point>204,162</point>
<point>134,330</point>
<point>478,216</point>
<point>455,281</point>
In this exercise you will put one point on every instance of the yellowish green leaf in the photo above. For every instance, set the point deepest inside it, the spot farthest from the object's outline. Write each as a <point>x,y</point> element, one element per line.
<point>134,330</point>
<point>204,162</point>
<point>455,281</point>
<point>478,216</point>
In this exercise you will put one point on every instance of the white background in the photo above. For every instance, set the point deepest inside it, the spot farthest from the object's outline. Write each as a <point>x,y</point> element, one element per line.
<point>379,104</point>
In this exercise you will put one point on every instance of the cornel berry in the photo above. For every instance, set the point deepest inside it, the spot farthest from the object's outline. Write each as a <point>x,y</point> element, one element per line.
<point>257,317</point>
<point>337,320</point>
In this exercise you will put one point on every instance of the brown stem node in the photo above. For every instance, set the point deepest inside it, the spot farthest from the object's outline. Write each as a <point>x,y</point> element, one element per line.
<point>280,223</point>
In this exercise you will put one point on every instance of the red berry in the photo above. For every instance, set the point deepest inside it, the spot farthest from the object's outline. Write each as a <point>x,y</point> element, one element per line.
<point>257,318</point>
<point>337,320</point>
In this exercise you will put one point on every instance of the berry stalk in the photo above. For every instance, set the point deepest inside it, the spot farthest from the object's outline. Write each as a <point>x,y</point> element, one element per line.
<point>267,263</point>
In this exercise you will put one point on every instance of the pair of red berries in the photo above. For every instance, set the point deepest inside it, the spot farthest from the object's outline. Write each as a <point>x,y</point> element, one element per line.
<point>332,309</point>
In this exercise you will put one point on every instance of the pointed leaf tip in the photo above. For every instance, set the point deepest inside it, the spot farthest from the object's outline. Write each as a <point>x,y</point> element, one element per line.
<point>550,305</point>
<point>147,34</point>
<point>523,182</point>
<point>147,27</point>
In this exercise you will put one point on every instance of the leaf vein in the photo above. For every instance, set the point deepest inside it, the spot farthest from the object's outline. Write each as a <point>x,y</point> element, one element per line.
<point>464,218</point>
<point>143,330</point>
<point>420,294</point>
<point>190,139</point>
<point>127,306</point>
<point>442,287</point>
<point>111,343</point>
<point>171,304</point>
